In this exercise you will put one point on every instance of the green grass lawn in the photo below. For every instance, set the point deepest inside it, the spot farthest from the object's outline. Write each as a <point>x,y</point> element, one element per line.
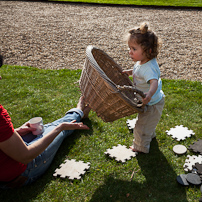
<point>27,92</point>
<point>175,3</point>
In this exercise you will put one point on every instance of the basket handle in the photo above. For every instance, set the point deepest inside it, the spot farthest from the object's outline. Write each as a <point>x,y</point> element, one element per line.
<point>131,88</point>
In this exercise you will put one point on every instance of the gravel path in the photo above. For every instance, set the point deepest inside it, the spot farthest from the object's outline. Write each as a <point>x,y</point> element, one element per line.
<point>55,35</point>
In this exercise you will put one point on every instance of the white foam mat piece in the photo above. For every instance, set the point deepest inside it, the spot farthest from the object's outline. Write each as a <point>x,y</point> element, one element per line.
<point>121,153</point>
<point>72,169</point>
<point>131,123</point>
<point>180,132</point>
<point>191,161</point>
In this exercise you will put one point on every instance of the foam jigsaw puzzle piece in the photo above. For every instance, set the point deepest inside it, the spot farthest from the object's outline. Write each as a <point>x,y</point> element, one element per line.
<point>196,146</point>
<point>180,132</point>
<point>198,166</point>
<point>121,153</point>
<point>131,123</point>
<point>72,169</point>
<point>191,161</point>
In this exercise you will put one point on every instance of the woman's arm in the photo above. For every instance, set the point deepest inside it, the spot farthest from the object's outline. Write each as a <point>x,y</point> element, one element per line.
<point>19,151</point>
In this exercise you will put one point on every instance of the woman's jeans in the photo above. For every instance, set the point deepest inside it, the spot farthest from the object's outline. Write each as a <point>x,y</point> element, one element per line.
<point>41,163</point>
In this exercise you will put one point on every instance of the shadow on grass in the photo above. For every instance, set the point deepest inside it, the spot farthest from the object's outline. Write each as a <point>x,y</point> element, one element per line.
<point>159,185</point>
<point>30,192</point>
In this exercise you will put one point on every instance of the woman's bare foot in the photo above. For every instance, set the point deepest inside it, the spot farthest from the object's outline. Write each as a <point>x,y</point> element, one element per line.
<point>81,103</point>
<point>82,106</point>
<point>134,150</point>
<point>86,111</point>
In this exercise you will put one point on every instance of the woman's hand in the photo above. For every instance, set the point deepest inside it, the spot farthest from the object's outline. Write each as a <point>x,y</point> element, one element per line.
<point>73,125</point>
<point>24,129</point>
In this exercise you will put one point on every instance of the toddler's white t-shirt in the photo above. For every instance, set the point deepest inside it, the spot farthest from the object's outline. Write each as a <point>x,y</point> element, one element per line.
<point>142,74</point>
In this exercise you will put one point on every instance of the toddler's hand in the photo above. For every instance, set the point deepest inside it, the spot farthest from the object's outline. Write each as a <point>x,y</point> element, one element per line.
<point>147,99</point>
<point>127,72</point>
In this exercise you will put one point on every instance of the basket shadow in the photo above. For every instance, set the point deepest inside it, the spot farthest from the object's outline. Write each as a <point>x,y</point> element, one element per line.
<point>159,185</point>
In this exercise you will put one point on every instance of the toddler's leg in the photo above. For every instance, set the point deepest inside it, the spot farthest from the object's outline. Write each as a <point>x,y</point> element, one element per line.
<point>145,127</point>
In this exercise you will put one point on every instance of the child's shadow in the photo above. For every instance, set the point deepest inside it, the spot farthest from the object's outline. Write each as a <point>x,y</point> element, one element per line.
<point>159,185</point>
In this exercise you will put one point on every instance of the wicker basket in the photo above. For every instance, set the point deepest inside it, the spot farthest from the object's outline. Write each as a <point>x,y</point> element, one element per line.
<point>109,93</point>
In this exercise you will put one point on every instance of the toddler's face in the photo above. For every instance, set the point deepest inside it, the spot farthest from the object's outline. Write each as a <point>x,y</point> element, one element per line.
<point>136,52</point>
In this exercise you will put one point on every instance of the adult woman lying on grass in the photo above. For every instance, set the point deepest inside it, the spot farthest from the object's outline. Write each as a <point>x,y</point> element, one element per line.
<point>24,157</point>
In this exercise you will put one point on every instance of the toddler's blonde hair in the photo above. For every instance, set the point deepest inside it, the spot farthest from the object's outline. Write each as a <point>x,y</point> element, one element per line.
<point>146,38</point>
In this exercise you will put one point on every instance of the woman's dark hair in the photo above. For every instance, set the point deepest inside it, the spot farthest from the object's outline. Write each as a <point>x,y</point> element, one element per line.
<point>1,60</point>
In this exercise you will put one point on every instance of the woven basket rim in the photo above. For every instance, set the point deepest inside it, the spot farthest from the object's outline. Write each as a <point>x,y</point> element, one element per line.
<point>97,67</point>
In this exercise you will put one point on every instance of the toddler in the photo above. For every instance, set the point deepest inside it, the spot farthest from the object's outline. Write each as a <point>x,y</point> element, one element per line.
<point>143,50</point>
